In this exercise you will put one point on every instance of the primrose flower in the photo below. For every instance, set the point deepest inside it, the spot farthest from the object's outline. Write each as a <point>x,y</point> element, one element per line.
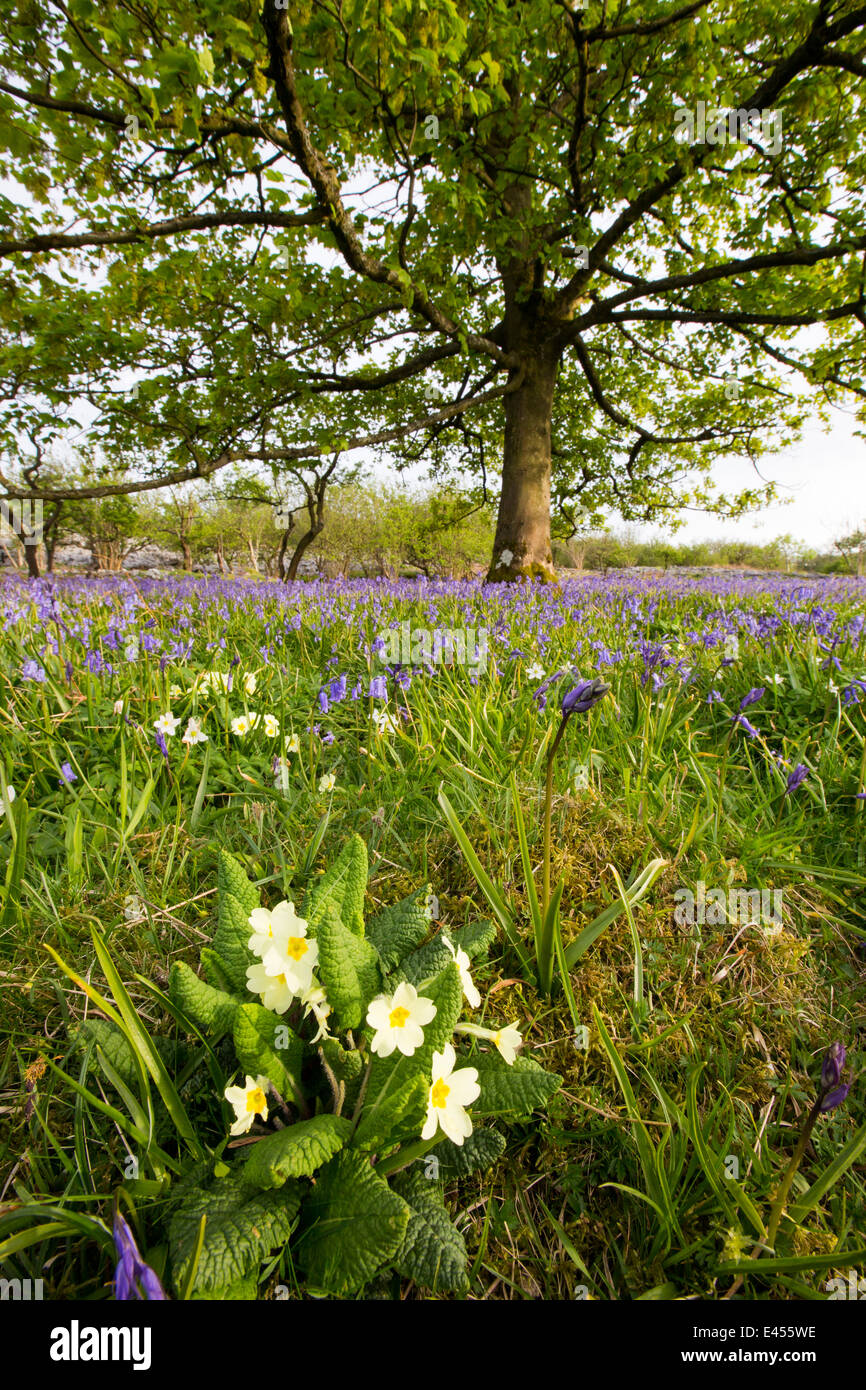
<point>174,692</point>
<point>272,726</point>
<point>132,1277</point>
<point>399,1021</point>
<point>291,955</point>
<point>193,733</point>
<point>327,782</point>
<point>450,1092</point>
<point>166,725</point>
<point>292,743</point>
<point>315,1002</point>
<point>118,706</point>
<point>250,683</point>
<point>248,1101</point>
<point>507,1041</point>
<point>473,998</point>
<point>270,926</point>
<point>241,725</point>
<point>276,991</point>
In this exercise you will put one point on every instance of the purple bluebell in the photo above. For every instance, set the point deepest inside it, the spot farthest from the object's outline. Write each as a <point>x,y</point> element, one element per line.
<point>133,1279</point>
<point>324,702</point>
<point>378,688</point>
<point>583,697</point>
<point>753,696</point>
<point>796,778</point>
<point>832,1064</point>
<point>32,671</point>
<point>713,697</point>
<point>67,774</point>
<point>742,721</point>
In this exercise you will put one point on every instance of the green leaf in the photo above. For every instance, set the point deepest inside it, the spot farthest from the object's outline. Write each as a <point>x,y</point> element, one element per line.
<point>266,1046</point>
<point>348,967</point>
<point>352,1224</point>
<point>215,970</point>
<point>210,1008</point>
<point>296,1151</point>
<point>475,938</point>
<point>113,1044</point>
<point>230,941</point>
<point>232,879</point>
<point>516,1090</point>
<point>395,1104</point>
<point>433,1252</point>
<point>426,962</point>
<point>242,1226</point>
<point>399,929</point>
<point>478,1153</point>
<point>345,884</point>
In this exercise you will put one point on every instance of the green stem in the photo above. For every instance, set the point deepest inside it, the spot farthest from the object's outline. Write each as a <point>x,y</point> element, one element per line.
<point>409,1153</point>
<point>778,1207</point>
<point>548,802</point>
<point>722,770</point>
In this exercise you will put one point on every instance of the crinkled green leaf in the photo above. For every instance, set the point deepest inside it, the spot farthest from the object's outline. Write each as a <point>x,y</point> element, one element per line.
<point>215,971</point>
<point>345,884</point>
<point>348,968</point>
<point>475,939</point>
<point>399,929</point>
<point>512,1090</point>
<point>258,1038</point>
<point>232,879</point>
<point>210,1008</point>
<point>426,962</point>
<point>296,1151</point>
<point>352,1224</point>
<point>230,941</point>
<point>433,1252</point>
<point>243,1226</point>
<point>395,1105</point>
<point>115,1046</point>
<point>477,1153</point>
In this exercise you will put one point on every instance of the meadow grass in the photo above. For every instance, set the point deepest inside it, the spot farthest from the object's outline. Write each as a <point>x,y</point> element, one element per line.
<point>703,1039</point>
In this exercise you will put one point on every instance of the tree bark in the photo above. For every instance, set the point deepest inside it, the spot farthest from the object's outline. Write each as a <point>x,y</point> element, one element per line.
<point>306,539</point>
<point>31,553</point>
<point>522,548</point>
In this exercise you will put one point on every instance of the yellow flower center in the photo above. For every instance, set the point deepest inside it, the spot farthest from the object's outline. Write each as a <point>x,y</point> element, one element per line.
<point>256,1102</point>
<point>440,1094</point>
<point>296,947</point>
<point>280,979</point>
<point>397,1017</point>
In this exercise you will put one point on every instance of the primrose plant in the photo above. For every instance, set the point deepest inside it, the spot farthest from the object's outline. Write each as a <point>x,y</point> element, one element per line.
<point>331,1047</point>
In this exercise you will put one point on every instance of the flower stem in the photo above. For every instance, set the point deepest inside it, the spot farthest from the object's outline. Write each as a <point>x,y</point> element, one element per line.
<point>548,802</point>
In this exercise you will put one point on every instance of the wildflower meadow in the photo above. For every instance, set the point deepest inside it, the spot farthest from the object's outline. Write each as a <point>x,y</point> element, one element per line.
<point>333,974</point>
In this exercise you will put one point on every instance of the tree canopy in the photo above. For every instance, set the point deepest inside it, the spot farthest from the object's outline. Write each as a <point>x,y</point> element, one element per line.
<point>274,233</point>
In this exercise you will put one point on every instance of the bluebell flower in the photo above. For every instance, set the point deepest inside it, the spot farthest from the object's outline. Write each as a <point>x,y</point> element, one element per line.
<point>583,697</point>
<point>324,702</point>
<point>753,696</point>
<point>32,671</point>
<point>378,688</point>
<point>67,774</point>
<point>133,1279</point>
<point>713,697</point>
<point>796,778</point>
<point>742,721</point>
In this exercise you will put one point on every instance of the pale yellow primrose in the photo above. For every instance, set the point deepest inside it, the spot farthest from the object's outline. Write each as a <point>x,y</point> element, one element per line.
<point>450,1092</point>
<point>248,1101</point>
<point>399,1020</point>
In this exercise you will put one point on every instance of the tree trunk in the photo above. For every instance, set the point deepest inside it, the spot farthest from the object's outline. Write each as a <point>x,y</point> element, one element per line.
<point>306,540</point>
<point>31,553</point>
<point>522,547</point>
